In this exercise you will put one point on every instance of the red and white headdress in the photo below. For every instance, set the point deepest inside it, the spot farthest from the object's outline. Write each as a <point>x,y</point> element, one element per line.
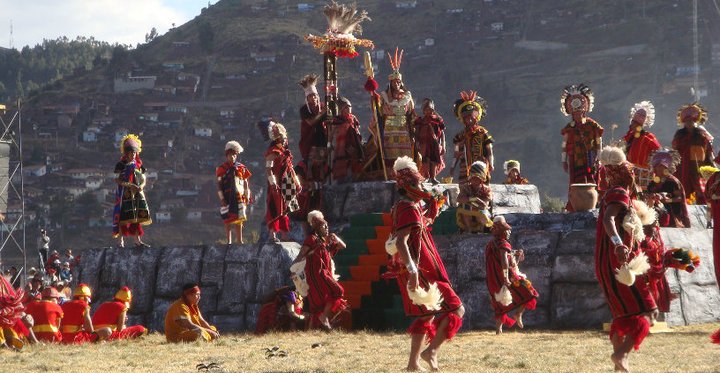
<point>315,218</point>
<point>406,172</point>
<point>308,83</point>
<point>617,169</point>
<point>276,131</point>
<point>233,146</point>
<point>648,108</point>
<point>395,62</point>
<point>692,112</point>
<point>577,98</point>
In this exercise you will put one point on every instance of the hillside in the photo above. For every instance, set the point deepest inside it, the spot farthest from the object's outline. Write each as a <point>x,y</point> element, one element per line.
<point>239,61</point>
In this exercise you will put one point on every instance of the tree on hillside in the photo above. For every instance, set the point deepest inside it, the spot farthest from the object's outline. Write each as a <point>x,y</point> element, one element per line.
<point>152,35</point>
<point>206,36</point>
<point>119,58</point>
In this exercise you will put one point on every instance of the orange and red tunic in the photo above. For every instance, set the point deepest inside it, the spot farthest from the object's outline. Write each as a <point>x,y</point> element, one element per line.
<point>231,183</point>
<point>73,323</point>
<point>638,149</point>
<point>107,316</point>
<point>696,150</point>
<point>47,316</point>
<point>322,286</point>
<point>523,293</point>
<point>582,147</point>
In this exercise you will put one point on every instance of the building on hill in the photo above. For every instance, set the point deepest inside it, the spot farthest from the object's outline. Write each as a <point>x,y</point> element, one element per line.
<point>133,83</point>
<point>202,132</point>
<point>90,136</point>
<point>173,66</point>
<point>84,173</point>
<point>35,170</point>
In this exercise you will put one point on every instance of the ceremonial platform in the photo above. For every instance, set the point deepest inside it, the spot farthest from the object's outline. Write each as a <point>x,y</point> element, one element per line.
<point>559,249</point>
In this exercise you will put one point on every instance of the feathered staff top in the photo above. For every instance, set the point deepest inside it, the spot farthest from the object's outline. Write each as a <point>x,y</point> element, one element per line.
<point>343,22</point>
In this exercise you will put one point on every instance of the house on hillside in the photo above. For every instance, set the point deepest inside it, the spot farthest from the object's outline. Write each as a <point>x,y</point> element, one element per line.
<point>176,108</point>
<point>155,106</point>
<point>263,56</point>
<point>64,121</point>
<point>89,136</point>
<point>227,113</point>
<point>84,173</point>
<point>119,134</point>
<point>94,182</point>
<point>102,121</point>
<point>406,4</point>
<point>133,83</point>
<point>163,216</point>
<point>149,117</point>
<point>59,109</point>
<point>181,44</point>
<point>35,170</point>
<point>202,132</point>
<point>168,119</point>
<point>173,66</point>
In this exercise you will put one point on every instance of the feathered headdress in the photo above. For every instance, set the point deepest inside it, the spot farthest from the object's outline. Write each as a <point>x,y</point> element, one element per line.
<point>499,226</point>
<point>667,157</point>
<point>577,98</point>
<point>612,156</point>
<point>395,62</point>
<point>648,108</point>
<point>276,131</point>
<point>130,141</point>
<point>308,83</point>
<point>343,22</point>
<point>233,146</point>
<point>469,101</point>
<point>692,112</point>
<point>315,217</point>
<point>478,169</point>
<point>406,172</point>
<point>510,164</point>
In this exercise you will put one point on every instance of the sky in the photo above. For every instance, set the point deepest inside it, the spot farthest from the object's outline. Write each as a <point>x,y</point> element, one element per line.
<point>121,21</point>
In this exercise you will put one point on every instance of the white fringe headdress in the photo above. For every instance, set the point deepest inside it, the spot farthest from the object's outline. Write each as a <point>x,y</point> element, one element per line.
<point>403,163</point>
<point>649,109</point>
<point>276,131</point>
<point>308,83</point>
<point>315,216</point>
<point>612,156</point>
<point>234,146</point>
<point>573,96</point>
<point>431,298</point>
<point>510,164</point>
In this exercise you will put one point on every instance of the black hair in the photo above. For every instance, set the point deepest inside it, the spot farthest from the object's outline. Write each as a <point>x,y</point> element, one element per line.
<point>189,285</point>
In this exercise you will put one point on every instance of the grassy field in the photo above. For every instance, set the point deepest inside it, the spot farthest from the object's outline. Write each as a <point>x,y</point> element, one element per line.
<point>687,349</point>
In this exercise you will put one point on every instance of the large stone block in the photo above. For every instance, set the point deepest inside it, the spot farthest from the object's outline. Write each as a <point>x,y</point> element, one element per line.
<point>343,200</point>
<point>229,323</point>
<point>576,242</point>
<point>539,243</point>
<point>273,267</point>
<point>700,242</point>
<point>540,277</point>
<point>239,287</point>
<point>508,199</point>
<point>213,264</point>
<point>478,311</point>
<point>156,319</point>
<point>90,267</point>
<point>135,268</point>
<point>470,259</point>
<point>698,216</point>
<point>209,299</point>
<point>700,303</point>
<point>539,317</point>
<point>251,315</point>
<point>574,269</point>
<point>179,265</point>
<point>578,306</point>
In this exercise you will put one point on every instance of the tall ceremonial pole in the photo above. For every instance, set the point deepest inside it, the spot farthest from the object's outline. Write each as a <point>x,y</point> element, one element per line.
<point>338,41</point>
<point>370,73</point>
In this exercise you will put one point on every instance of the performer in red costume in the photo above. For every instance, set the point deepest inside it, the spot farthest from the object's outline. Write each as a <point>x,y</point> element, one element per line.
<point>509,288</point>
<point>325,294</point>
<point>233,191</point>
<point>430,141</point>
<point>474,142</point>
<point>113,315</point>
<point>347,148</point>
<point>283,185</point>
<point>639,142</point>
<point>654,248</point>
<point>619,232</point>
<point>46,314</point>
<point>13,331</point>
<point>313,128</point>
<point>582,137</point>
<point>667,189</point>
<point>420,272</point>
<point>712,195</point>
<point>694,143</point>
<point>77,326</point>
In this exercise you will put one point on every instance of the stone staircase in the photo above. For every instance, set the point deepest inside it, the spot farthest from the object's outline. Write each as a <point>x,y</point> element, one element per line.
<point>376,304</point>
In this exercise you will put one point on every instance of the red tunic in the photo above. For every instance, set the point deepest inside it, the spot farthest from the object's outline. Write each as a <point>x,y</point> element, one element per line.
<point>46,315</point>
<point>311,134</point>
<point>312,178</point>
<point>230,182</point>
<point>582,148</point>
<point>695,150</point>
<point>347,153</point>
<point>73,323</point>
<point>277,205</point>
<point>322,286</point>
<point>713,187</point>
<point>677,211</point>
<point>638,149</point>
<point>407,214</point>
<point>428,135</point>
<point>628,304</point>
<point>107,315</point>
<point>523,293</point>
<point>654,249</point>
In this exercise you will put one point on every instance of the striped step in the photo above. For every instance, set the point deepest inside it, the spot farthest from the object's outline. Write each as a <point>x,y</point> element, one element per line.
<point>382,233</point>
<point>365,272</point>
<point>362,233</point>
<point>376,246</point>
<point>387,219</point>
<point>345,260</point>
<point>355,300</point>
<point>366,220</point>
<point>356,287</point>
<point>377,259</point>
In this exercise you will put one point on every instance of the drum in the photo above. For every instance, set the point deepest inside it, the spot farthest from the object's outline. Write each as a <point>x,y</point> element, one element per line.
<point>583,197</point>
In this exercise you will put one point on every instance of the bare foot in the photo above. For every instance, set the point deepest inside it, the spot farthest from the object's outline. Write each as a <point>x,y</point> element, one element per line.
<point>415,367</point>
<point>430,356</point>
<point>518,320</point>
<point>621,362</point>
<point>498,327</point>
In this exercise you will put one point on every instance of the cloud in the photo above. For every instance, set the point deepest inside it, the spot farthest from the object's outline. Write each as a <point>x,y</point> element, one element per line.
<point>121,21</point>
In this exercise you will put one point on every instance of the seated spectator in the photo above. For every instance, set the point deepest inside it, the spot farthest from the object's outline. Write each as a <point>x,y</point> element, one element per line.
<point>33,288</point>
<point>69,258</point>
<point>46,314</point>
<point>184,322</point>
<point>113,315</point>
<point>54,255</point>
<point>473,213</point>
<point>282,312</point>
<point>64,291</point>
<point>66,273</point>
<point>52,276</point>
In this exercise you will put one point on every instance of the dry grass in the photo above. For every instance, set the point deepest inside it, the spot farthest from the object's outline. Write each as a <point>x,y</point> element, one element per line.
<point>687,349</point>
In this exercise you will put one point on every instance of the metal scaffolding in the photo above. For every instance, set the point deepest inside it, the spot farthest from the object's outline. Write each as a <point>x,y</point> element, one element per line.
<point>12,201</point>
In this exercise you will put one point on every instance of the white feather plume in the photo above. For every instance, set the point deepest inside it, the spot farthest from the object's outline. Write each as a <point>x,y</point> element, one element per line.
<point>627,273</point>
<point>431,298</point>
<point>403,163</point>
<point>633,225</point>
<point>332,267</point>
<point>234,146</point>
<point>646,214</point>
<point>391,245</point>
<point>649,111</point>
<point>624,275</point>
<point>503,296</point>
<point>611,155</point>
<point>314,214</point>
